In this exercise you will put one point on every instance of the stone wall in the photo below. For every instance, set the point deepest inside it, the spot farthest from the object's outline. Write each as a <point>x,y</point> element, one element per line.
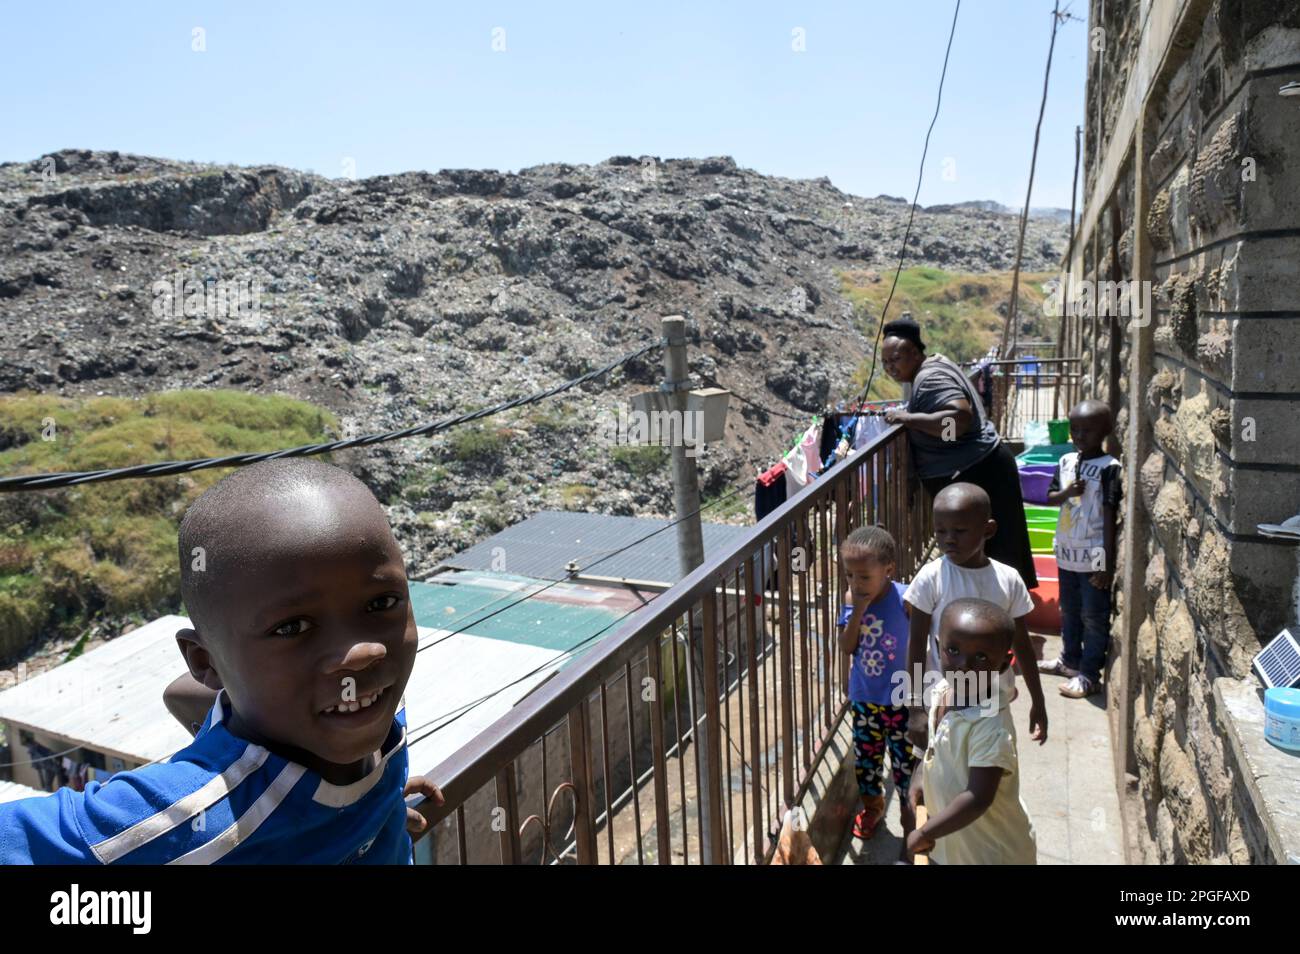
<point>1217,398</point>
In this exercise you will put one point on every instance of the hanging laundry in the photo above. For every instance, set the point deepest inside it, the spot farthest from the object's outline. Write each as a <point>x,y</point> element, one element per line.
<point>769,493</point>
<point>837,439</point>
<point>46,767</point>
<point>830,436</point>
<point>802,463</point>
<point>869,428</point>
<point>769,490</point>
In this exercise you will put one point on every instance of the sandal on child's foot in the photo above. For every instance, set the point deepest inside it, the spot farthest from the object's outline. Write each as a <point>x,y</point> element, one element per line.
<point>864,827</point>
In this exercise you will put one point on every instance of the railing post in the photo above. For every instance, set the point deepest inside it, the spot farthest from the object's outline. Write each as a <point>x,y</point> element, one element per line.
<point>787,668</point>
<point>584,796</point>
<point>713,832</point>
<point>662,833</point>
<point>507,800</point>
<point>757,772</point>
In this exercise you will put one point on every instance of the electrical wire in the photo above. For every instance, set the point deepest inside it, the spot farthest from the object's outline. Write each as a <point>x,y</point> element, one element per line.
<point>74,478</point>
<point>920,173</point>
<point>542,589</point>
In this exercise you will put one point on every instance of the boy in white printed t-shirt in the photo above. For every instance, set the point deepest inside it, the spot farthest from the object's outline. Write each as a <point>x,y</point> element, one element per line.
<point>1087,488</point>
<point>962,524</point>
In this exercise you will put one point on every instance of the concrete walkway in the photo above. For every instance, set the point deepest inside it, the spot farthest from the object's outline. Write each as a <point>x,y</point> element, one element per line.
<point>1067,785</point>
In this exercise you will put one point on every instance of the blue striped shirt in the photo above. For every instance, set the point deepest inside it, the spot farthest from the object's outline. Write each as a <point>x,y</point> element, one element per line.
<point>221,800</point>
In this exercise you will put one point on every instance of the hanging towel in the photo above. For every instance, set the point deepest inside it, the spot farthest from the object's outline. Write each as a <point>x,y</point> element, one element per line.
<point>801,462</point>
<point>772,475</point>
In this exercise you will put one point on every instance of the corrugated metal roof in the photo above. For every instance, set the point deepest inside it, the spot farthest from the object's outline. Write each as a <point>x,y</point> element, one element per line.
<point>111,697</point>
<point>543,544</point>
<point>12,791</point>
<point>494,663</point>
<point>519,609</point>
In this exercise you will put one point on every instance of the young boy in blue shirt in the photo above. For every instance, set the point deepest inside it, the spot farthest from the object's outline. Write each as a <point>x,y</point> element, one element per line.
<point>303,628</point>
<point>874,629</point>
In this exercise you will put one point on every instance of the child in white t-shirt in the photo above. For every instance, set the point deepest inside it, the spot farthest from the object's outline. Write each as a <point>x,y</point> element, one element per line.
<point>962,524</point>
<point>970,776</point>
<point>1087,488</point>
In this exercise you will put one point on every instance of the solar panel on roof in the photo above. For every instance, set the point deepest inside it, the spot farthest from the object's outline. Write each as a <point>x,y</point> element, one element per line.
<point>1278,663</point>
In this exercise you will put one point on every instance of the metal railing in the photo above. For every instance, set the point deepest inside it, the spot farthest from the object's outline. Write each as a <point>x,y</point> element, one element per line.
<point>1031,388</point>
<point>686,734</point>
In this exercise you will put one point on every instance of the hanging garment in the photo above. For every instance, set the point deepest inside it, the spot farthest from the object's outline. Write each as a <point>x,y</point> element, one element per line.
<point>869,428</point>
<point>837,439</point>
<point>830,436</point>
<point>802,462</point>
<point>769,491</point>
<point>45,766</point>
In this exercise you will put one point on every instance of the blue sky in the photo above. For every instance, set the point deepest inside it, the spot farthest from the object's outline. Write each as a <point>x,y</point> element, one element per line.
<point>397,86</point>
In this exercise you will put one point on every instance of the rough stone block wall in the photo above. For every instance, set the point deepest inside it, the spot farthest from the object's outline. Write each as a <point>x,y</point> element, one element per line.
<point>1221,398</point>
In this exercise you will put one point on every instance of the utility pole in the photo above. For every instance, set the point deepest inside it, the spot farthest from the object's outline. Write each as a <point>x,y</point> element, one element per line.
<point>690,549</point>
<point>1064,330</point>
<point>686,479</point>
<point>1011,331</point>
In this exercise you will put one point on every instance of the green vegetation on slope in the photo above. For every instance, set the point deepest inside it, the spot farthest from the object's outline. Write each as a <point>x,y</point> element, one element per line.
<point>67,555</point>
<point>958,313</point>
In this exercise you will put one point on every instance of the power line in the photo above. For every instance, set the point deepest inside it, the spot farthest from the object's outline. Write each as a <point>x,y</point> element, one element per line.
<point>73,478</point>
<point>1012,327</point>
<point>43,758</point>
<point>765,410</point>
<point>542,589</point>
<point>902,253</point>
<point>457,713</point>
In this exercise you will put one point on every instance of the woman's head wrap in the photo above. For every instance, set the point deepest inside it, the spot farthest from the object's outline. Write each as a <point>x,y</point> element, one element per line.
<point>907,329</point>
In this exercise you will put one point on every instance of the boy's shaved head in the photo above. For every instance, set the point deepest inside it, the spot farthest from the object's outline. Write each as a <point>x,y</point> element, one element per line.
<point>230,516</point>
<point>1091,408</point>
<point>964,497</point>
<point>975,616</point>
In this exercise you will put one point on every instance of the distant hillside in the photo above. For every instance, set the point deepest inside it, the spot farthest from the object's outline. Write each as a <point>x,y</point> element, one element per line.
<point>399,299</point>
<point>961,315</point>
<point>1048,213</point>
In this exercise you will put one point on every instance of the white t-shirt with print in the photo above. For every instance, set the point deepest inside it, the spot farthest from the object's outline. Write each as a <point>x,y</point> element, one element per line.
<point>941,581</point>
<point>1081,527</point>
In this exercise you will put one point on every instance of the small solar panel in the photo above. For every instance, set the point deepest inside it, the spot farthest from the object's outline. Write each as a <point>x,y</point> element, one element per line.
<point>1278,663</point>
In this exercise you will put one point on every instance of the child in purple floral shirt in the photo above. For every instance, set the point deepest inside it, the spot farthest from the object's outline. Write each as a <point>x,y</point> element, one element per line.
<point>874,629</point>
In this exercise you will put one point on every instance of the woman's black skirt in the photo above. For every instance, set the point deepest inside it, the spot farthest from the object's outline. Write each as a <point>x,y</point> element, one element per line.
<point>998,475</point>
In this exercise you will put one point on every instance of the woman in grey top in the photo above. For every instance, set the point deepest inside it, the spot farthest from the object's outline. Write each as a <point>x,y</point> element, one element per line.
<point>952,440</point>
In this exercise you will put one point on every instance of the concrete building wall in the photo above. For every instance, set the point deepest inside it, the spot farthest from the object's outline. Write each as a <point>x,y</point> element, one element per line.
<point>1193,183</point>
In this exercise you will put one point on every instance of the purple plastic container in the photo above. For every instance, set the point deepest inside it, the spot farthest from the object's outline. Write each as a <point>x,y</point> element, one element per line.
<point>1034,481</point>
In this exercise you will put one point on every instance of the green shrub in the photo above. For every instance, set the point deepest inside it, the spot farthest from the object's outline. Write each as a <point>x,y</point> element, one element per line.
<point>957,312</point>
<point>71,553</point>
<point>477,444</point>
<point>577,496</point>
<point>642,460</point>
